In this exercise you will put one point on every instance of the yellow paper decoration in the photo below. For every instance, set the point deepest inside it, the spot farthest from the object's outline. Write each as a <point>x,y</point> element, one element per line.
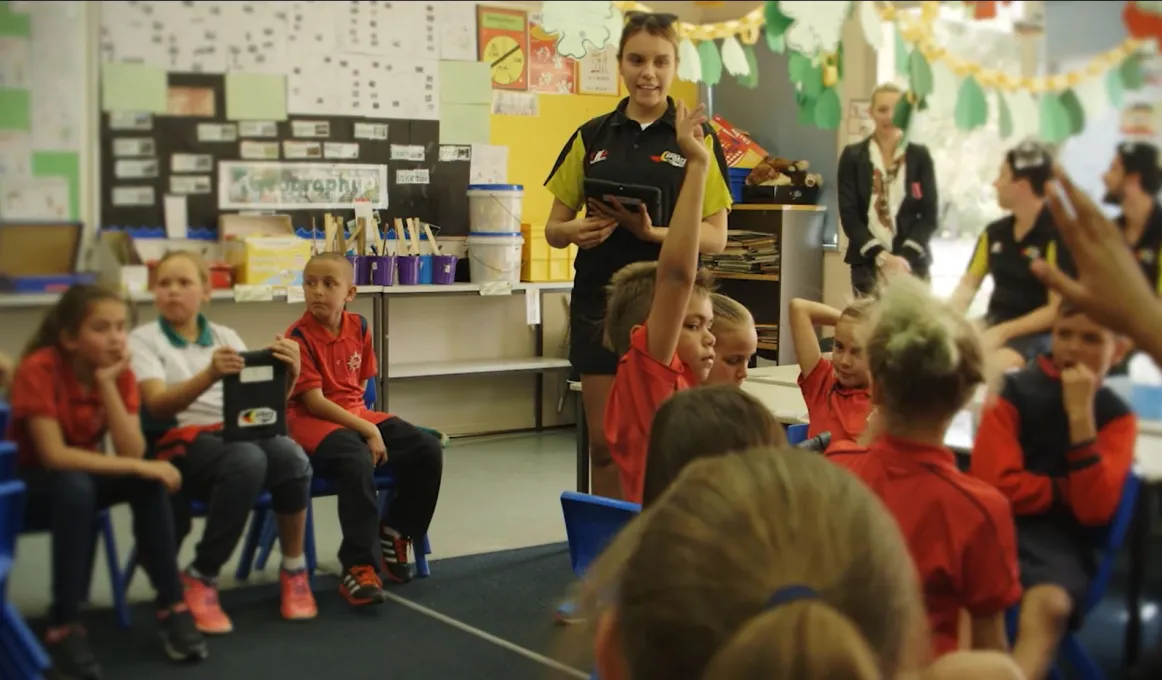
<point>746,28</point>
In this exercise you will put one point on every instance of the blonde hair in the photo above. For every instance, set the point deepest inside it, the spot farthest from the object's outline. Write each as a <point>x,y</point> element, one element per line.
<point>690,578</point>
<point>885,88</point>
<point>631,294</point>
<point>925,358</point>
<point>729,313</point>
<point>702,423</point>
<point>194,257</point>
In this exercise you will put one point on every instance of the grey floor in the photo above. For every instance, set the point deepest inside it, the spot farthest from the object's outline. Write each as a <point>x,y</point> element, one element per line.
<point>499,493</point>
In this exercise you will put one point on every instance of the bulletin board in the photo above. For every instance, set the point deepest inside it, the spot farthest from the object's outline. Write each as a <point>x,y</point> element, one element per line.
<point>200,98</point>
<point>42,105</point>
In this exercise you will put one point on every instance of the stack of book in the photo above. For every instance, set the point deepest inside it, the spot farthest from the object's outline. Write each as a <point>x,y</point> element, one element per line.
<point>747,252</point>
<point>768,335</point>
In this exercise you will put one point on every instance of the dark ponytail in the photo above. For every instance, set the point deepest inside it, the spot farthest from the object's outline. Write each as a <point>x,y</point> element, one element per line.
<point>67,315</point>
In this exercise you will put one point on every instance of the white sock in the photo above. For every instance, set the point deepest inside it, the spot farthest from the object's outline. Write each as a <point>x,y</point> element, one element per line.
<point>294,563</point>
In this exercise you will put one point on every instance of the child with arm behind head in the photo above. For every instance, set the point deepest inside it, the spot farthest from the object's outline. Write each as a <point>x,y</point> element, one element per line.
<point>1059,446</point>
<point>926,361</point>
<point>72,388</point>
<point>658,319</point>
<point>836,389</point>
<point>735,340</point>
<point>348,441</point>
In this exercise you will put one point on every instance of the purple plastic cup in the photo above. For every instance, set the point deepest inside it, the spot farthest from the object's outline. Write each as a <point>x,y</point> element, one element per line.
<point>382,270</point>
<point>443,269</point>
<point>409,269</point>
<point>362,266</point>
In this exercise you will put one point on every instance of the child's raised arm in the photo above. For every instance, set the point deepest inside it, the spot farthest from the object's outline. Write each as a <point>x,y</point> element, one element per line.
<point>805,316</point>
<point>678,260</point>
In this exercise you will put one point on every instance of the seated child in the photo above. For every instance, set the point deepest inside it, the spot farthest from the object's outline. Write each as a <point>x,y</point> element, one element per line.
<point>72,388</point>
<point>836,389</point>
<point>179,361</point>
<point>926,361</point>
<point>658,320</point>
<point>1058,445</point>
<point>704,422</point>
<point>735,340</point>
<point>766,564</point>
<point>347,441</point>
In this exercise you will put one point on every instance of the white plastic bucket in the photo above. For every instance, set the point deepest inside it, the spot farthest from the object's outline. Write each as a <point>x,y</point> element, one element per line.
<point>494,257</point>
<point>494,208</point>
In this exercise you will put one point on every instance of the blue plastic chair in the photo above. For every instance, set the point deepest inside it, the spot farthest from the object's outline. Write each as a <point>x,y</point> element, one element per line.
<point>1108,542</point>
<point>385,483</point>
<point>796,434</point>
<point>21,656</point>
<point>591,522</point>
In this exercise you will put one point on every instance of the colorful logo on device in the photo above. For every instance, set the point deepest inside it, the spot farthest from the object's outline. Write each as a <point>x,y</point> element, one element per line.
<point>675,159</point>
<point>257,417</point>
<point>598,156</point>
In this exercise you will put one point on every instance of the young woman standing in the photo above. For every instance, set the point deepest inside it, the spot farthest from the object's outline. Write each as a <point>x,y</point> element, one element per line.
<point>635,144</point>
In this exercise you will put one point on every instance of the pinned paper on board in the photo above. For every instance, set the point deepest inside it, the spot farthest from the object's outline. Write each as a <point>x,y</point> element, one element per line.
<point>257,128</point>
<point>509,103</point>
<point>130,121</point>
<point>193,102</point>
<point>452,154</point>
<point>465,124</point>
<point>375,131</point>
<point>457,26</point>
<point>176,217</point>
<point>255,96</point>
<point>258,151</point>
<point>465,82</point>
<point>341,151</point>
<point>191,162</point>
<point>34,198</point>
<point>133,196</point>
<point>133,146</point>
<point>15,154</point>
<point>14,62</point>
<point>132,168</point>
<point>489,164</point>
<point>133,87</point>
<point>407,152</point>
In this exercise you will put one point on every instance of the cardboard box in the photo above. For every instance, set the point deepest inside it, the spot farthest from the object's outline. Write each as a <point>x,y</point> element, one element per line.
<point>739,149</point>
<point>263,249</point>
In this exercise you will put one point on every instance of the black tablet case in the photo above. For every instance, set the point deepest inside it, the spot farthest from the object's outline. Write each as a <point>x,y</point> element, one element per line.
<point>254,401</point>
<point>651,196</point>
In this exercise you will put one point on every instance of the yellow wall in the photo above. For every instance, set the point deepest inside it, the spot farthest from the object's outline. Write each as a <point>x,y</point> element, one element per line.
<point>534,142</point>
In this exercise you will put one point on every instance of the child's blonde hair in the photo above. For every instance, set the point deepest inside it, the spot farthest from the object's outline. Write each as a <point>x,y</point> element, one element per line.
<point>729,313</point>
<point>704,422</point>
<point>631,293</point>
<point>194,257</point>
<point>925,358</point>
<point>691,579</point>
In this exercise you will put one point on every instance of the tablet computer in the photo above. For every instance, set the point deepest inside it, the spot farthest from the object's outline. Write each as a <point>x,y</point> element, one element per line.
<point>629,195</point>
<point>254,401</point>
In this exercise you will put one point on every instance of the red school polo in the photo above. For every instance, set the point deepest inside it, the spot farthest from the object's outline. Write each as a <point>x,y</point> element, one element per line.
<point>959,530</point>
<point>641,385</point>
<point>45,386</point>
<point>339,365</point>
<point>831,407</point>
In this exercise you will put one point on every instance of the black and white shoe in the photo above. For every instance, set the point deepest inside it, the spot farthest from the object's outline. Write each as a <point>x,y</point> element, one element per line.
<point>183,641</point>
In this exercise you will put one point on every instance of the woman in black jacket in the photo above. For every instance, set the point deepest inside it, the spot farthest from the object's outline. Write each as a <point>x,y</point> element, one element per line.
<point>887,200</point>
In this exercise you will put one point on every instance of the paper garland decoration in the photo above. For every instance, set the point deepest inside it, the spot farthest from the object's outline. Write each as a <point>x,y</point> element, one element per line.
<point>581,26</point>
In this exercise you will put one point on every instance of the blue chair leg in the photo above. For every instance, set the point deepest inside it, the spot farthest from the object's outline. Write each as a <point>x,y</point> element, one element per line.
<point>268,537</point>
<point>1076,656</point>
<point>116,580</point>
<point>422,549</point>
<point>130,568</point>
<point>252,544</point>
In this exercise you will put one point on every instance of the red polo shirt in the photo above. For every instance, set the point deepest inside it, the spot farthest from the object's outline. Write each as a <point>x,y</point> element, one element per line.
<point>339,365</point>
<point>45,386</point>
<point>831,407</point>
<point>959,530</point>
<point>641,385</point>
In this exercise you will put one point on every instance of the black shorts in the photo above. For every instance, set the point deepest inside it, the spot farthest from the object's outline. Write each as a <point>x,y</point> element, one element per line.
<point>587,351</point>
<point>1053,555</point>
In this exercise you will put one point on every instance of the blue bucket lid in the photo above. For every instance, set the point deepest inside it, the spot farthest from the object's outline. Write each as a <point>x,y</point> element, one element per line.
<point>495,234</point>
<point>496,187</point>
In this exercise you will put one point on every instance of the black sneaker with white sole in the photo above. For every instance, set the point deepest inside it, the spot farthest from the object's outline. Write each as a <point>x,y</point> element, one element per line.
<point>183,641</point>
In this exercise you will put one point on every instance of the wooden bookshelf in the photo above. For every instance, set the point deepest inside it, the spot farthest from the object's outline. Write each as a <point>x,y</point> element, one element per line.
<point>741,276</point>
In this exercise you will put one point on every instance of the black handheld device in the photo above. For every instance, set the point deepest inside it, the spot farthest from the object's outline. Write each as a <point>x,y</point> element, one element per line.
<point>629,195</point>
<point>254,400</point>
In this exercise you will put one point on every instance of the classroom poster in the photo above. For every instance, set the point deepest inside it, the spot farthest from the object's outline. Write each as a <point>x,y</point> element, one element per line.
<point>597,72</point>
<point>299,186</point>
<point>504,45</point>
<point>549,72</point>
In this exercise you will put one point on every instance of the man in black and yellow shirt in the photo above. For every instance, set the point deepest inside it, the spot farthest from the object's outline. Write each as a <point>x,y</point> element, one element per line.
<point>1021,309</point>
<point>1132,182</point>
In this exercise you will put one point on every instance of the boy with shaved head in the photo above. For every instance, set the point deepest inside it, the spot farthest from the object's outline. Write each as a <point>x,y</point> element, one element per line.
<point>347,441</point>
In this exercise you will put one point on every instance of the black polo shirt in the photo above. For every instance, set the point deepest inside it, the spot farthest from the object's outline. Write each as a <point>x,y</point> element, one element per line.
<point>1016,290</point>
<point>1148,249</point>
<point>615,148</point>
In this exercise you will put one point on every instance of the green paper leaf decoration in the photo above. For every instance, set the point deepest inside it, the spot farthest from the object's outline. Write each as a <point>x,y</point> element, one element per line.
<point>839,57</point>
<point>922,105</point>
<point>1074,111</point>
<point>813,81</point>
<point>1055,125</point>
<point>776,42</point>
<point>1004,117</point>
<point>901,54</point>
<point>1115,88</point>
<point>920,73</point>
<point>711,62</point>
<point>807,112</point>
<point>1131,71</point>
<point>750,80</point>
<point>798,67</point>
<point>902,116</point>
<point>972,107</point>
<point>777,22</point>
<point>828,109</point>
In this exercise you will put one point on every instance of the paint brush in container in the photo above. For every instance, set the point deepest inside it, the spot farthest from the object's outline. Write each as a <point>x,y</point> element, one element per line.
<point>431,238</point>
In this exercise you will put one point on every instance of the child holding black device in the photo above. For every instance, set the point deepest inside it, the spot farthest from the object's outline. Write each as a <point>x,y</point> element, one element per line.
<point>181,361</point>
